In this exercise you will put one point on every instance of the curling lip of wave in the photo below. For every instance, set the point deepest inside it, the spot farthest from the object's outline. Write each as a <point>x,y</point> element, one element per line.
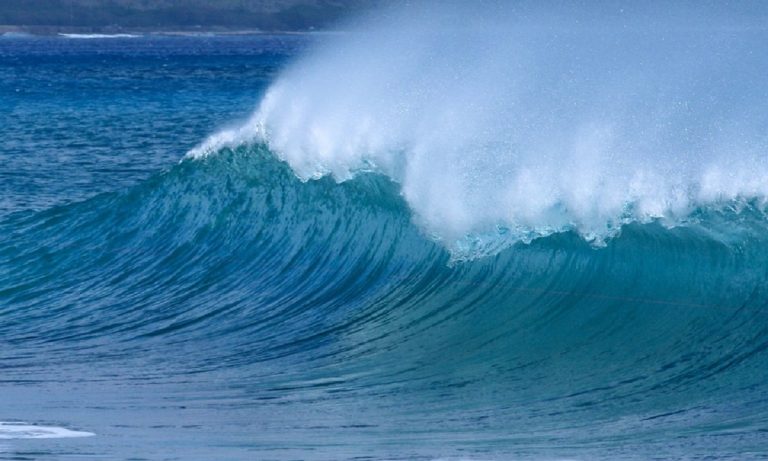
<point>498,131</point>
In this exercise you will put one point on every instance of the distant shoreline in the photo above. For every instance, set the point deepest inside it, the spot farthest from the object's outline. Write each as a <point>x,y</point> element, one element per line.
<point>166,31</point>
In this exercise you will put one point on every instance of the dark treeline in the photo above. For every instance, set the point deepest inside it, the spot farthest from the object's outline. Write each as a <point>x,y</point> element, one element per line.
<point>268,15</point>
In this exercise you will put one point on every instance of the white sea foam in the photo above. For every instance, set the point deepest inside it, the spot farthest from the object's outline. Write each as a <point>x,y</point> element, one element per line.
<point>522,121</point>
<point>91,36</point>
<point>15,35</point>
<point>20,430</point>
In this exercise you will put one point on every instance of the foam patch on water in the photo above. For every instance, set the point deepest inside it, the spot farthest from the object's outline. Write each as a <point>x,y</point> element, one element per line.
<point>20,430</point>
<point>97,36</point>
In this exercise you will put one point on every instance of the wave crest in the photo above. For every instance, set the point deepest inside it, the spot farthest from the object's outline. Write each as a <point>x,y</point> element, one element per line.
<point>518,125</point>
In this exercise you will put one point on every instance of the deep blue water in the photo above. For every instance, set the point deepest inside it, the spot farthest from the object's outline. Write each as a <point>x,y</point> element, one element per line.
<point>223,308</point>
<point>83,116</point>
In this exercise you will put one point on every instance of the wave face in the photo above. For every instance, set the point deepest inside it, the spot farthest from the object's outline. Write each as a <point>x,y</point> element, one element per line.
<point>460,234</point>
<point>326,298</point>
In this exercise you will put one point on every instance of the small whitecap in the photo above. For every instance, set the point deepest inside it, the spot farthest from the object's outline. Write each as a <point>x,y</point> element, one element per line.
<point>21,430</point>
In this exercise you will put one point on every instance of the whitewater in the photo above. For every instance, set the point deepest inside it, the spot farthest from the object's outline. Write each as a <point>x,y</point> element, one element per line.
<point>515,232</point>
<point>525,123</point>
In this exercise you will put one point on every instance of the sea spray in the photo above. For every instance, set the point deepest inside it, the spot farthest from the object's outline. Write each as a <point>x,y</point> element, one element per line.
<point>505,123</point>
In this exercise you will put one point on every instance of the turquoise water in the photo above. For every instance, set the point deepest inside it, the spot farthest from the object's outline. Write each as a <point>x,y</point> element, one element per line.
<point>195,263</point>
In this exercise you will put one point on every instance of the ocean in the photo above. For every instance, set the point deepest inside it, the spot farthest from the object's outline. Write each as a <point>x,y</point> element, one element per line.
<point>446,238</point>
